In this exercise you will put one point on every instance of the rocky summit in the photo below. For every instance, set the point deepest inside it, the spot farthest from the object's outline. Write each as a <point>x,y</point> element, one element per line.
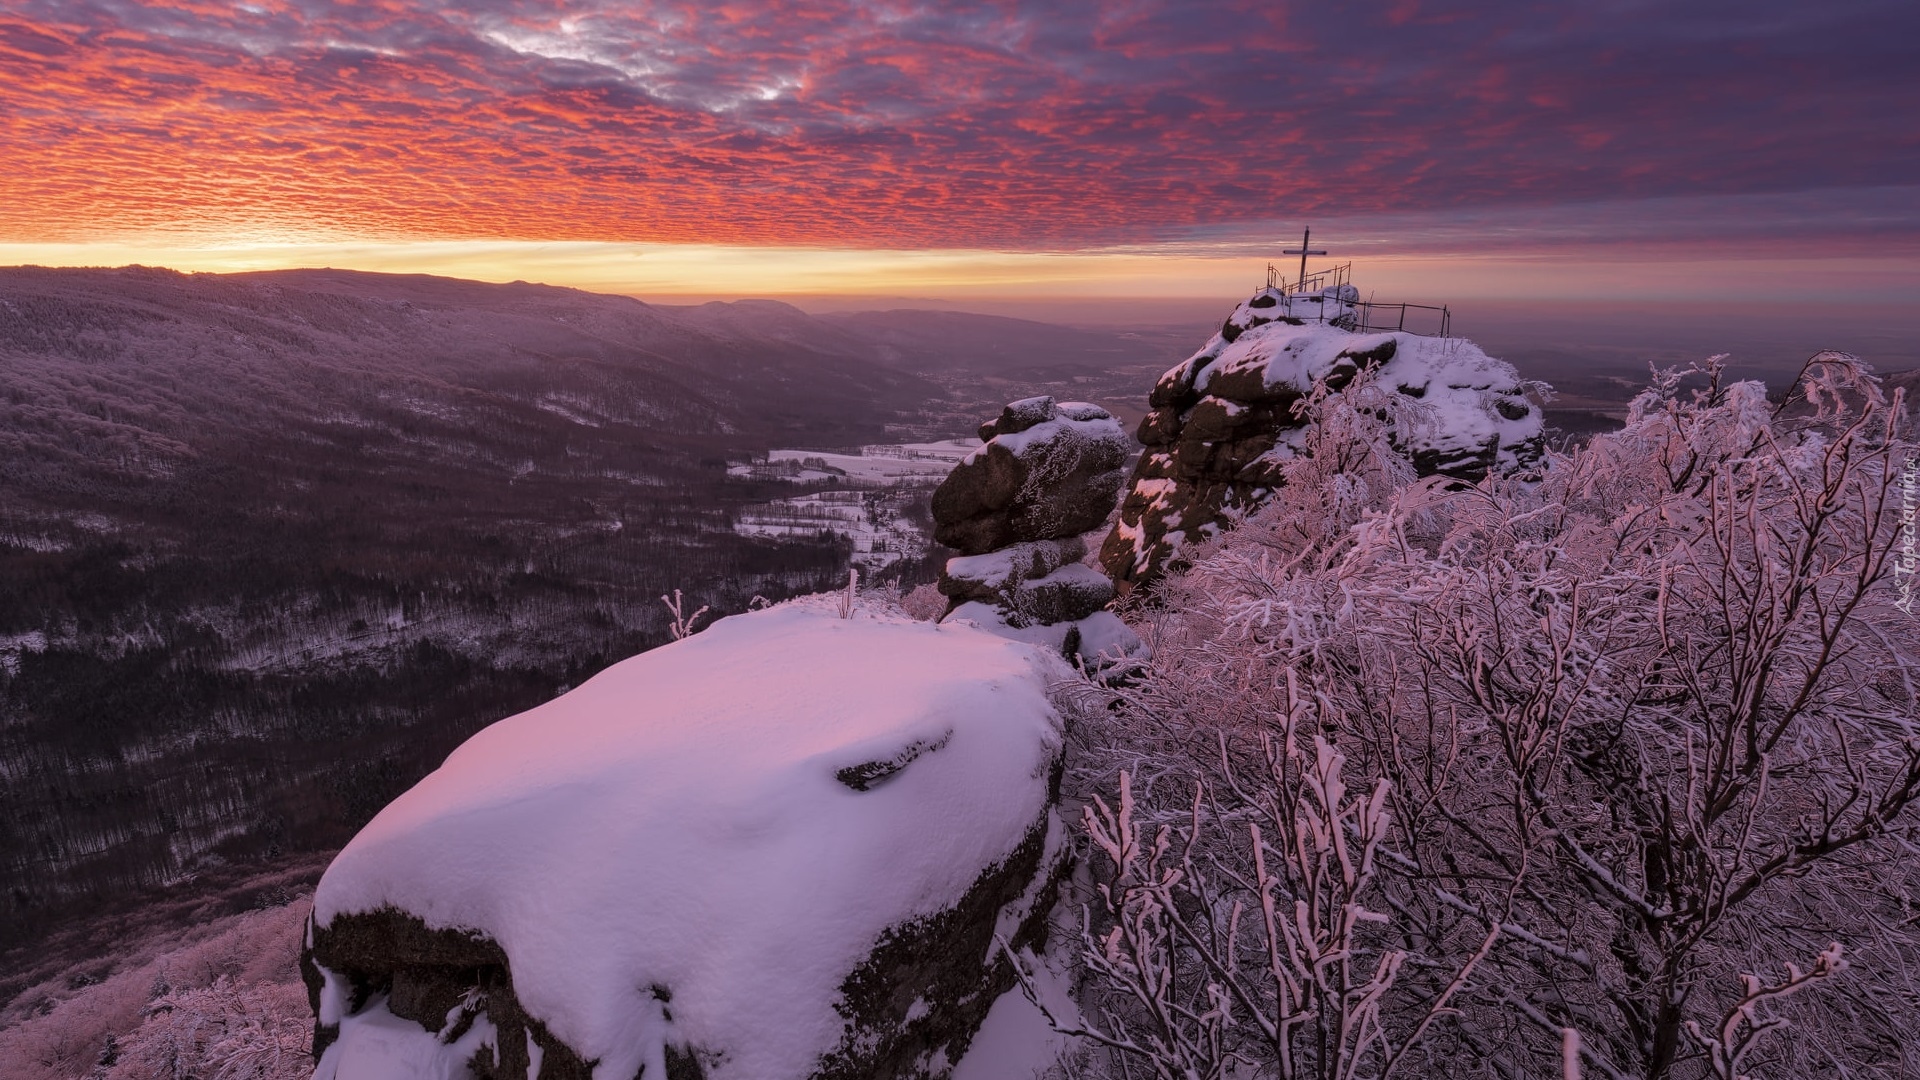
<point>1223,421</point>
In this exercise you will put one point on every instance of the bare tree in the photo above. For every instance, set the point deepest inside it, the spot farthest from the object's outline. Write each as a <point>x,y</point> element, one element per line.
<point>1254,945</point>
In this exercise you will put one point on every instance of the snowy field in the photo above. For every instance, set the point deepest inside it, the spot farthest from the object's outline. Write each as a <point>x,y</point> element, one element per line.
<point>874,466</point>
<point>868,503</point>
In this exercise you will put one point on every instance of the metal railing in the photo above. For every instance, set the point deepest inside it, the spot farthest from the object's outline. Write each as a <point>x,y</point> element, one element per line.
<point>1320,280</point>
<point>1369,317</point>
<point>1359,316</point>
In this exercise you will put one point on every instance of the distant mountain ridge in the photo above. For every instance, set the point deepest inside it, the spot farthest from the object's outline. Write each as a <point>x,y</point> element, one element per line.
<point>302,343</point>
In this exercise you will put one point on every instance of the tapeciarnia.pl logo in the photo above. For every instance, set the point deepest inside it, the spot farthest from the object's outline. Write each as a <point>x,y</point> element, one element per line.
<point>1906,562</point>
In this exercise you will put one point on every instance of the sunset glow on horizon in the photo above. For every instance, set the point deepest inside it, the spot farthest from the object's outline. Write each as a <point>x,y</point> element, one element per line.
<point>1043,285</point>
<point>907,149</point>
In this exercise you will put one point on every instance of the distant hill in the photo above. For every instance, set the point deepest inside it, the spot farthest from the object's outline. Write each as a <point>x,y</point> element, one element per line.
<point>160,365</point>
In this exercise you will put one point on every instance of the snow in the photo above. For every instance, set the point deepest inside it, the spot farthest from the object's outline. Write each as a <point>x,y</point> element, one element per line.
<point>880,486</point>
<point>1011,565</point>
<point>1100,428</point>
<point>1157,492</point>
<point>377,1045</point>
<point>677,821</point>
<point>1102,634</point>
<point>1082,410</point>
<point>877,465</point>
<point>1072,574</point>
<point>1326,305</point>
<point>876,522</point>
<point>1015,1043</point>
<point>1451,378</point>
<point>994,568</point>
<point>13,645</point>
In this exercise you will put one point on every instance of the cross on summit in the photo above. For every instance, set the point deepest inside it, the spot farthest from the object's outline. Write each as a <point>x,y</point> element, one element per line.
<point>1305,249</point>
<point>1327,296</point>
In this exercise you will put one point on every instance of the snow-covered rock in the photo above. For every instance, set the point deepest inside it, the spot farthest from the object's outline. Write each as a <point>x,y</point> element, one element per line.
<point>1223,419</point>
<point>780,848</point>
<point>989,577</point>
<point>1047,471</point>
<point>1017,509</point>
<point>1101,644</point>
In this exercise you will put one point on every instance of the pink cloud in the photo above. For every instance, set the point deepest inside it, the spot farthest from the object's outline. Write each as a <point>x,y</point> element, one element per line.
<point>907,125</point>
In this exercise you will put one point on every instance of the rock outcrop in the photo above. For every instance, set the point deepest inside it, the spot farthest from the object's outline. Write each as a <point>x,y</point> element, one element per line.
<point>1222,421</point>
<point>780,849</point>
<point>1017,509</point>
<point>1048,471</point>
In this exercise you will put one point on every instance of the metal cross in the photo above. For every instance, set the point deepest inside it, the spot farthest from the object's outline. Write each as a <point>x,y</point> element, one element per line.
<point>1303,251</point>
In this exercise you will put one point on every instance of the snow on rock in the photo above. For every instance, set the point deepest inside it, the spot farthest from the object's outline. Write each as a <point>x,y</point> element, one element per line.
<point>988,577</point>
<point>1100,643</point>
<point>775,849</point>
<point>1046,472</point>
<point>1223,419</point>
<point>385,1047</point>
<point>1016,509</point>
<point>1016,1042</point>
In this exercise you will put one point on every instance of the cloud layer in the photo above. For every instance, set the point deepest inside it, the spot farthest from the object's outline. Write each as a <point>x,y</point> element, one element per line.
<point>908,125</point>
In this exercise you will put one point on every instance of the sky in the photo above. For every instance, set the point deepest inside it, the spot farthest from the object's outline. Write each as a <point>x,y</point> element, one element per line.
<point>1053,153</point>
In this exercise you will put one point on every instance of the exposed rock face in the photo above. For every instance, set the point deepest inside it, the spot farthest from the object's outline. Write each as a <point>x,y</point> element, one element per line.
<point>1222,421</point>
<point>780,849</point>
<point>1017,507</point>
<point>453,984</point>
<point>918,996</point>
<point>1047,472</point>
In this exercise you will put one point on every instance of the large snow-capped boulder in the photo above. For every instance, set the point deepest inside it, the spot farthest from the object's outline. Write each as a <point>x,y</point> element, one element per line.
<point>1222,421</point>
<point>779,849</point>
<point>1048,471</point>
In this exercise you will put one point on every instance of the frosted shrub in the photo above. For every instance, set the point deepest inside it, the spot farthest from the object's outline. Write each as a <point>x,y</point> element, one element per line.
<point>1644,724</point>
<point>57,1031</point>
<point>1245,938</point>
<point>925,602</point>
<point>683,624</point>
<point>219,1032</point>
<point>850,594</point>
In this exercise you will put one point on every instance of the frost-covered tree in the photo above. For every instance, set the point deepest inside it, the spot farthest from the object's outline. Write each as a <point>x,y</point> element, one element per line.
<point>225,1031</point>
<point>1642,728</point>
